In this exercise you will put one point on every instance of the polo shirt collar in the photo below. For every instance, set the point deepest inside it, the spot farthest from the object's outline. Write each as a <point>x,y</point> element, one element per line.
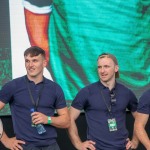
<point>104,87</point>
<point>27,79</point>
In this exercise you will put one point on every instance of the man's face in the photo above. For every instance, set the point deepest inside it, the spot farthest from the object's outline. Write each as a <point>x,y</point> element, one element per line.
<point>35,65</point>
<point>107,69</point>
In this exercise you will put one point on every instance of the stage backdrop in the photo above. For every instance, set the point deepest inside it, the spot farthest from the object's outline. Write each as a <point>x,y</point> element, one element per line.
<point>76,32</point>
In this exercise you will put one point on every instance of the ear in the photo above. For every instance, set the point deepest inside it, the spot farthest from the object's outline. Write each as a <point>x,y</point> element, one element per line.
<point>45,63</point>
<point>116,68</point>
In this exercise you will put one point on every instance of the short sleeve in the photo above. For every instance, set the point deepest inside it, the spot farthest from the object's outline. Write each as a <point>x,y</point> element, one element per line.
<point>80,100</point>
<point>6,93</point>
<point>60,98</point>
<point>133,102</point>
<point>144,103</point>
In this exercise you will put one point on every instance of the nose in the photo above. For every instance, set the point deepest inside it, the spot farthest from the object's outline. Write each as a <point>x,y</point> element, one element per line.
<point>30,63</point>
<point>102,69</point>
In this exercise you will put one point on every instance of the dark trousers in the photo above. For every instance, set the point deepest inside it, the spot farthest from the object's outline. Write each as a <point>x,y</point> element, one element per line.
<point>50,147</point>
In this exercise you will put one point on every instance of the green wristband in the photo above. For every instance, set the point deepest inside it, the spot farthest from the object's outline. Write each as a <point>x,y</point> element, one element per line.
<point>49,120</point>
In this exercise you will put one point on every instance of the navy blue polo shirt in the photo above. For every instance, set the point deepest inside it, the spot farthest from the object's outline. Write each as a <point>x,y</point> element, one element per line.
<point>17,95</point>
<point>144,103</point>
<point>91,100</point>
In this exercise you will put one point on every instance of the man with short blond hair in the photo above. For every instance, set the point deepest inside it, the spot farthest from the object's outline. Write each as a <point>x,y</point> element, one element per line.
<point>104,103</point>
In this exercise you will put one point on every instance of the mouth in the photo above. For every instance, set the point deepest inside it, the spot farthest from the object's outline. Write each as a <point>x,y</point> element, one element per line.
<point>103,75</point>
<point>31,69</point>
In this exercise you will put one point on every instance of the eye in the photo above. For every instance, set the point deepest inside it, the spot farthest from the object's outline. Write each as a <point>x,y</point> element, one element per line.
<point>26,60</point>
<point>106,66</point>
<point>35,60</point>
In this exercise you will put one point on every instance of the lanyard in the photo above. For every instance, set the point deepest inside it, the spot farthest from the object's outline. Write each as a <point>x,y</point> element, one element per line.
<point>35,103</point>
<point>108,107</point>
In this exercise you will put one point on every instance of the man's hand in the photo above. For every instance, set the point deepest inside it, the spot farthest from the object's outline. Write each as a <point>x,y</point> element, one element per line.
<point>87,145</point>
<point>38,117</point>
<point>131,144</point>
<point>13,144</point>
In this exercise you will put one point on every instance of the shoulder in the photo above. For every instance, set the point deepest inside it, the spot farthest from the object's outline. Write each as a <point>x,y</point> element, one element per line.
<point>123,90</point>
<point>51,84</point>
<point>16,81</point>
<point>144,103</point>
<point>13,85</point>
<point>122,87</point>
<point>145,95</point>
<point>91,88</point>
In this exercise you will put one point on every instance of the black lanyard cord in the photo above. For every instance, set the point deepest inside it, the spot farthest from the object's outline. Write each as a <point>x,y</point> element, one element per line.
<point>108,107</point>
<point>35,103</point>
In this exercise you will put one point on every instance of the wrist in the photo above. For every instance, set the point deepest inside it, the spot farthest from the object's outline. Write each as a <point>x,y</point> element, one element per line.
<point>78,145</point>
<point>49,120</point>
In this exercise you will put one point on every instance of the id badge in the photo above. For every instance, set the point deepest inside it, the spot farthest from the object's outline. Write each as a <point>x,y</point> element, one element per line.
<point>112,124</point>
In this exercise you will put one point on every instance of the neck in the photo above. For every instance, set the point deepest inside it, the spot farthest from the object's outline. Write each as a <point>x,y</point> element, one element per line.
<point>108,84</point>
<point>36,80</point>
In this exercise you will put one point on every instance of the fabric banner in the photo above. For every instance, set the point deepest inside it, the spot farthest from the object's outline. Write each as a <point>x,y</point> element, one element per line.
<point>81,30</point>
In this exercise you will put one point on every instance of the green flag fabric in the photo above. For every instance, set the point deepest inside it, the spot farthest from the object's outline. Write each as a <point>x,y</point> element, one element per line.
<point>80,30</point>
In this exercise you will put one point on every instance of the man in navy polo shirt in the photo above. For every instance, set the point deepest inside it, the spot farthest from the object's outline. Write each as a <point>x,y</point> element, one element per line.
<point>33,100</point>
<point>104,103</point>
<point>142,118</point>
